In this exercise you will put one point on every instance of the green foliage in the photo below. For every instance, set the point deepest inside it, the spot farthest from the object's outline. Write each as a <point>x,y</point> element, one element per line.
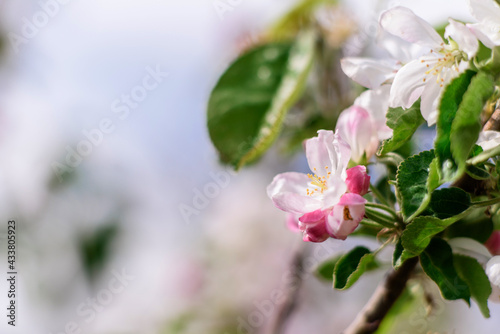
<point>416,178</point>
<point>450,102</point>
<point>95,248</point>
<point>404,123</point>
<point>459,121</point>
<point>351,266</point>
<point>325,270</point>
<point>298,18</point>
<point>448,202</point>
<point>476,225</point>
<point>437,262</point>
<point>247,106</point>
<point>467,123</point>
<point>473,273</point>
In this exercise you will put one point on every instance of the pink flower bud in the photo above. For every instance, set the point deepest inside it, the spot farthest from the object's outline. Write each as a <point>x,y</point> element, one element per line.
<point>493,243</point>
<point>345,216</point>
<point>313,226</point>
<point>358,182</point>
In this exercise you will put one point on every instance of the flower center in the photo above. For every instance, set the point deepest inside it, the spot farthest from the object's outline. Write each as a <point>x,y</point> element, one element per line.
<point>318,182</point>
<point>449,58</point>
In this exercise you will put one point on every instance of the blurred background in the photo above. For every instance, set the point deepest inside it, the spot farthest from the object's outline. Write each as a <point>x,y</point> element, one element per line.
<point>126,221</point>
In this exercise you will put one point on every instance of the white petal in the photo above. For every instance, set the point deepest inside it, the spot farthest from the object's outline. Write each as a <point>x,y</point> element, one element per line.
<point>430,101</point>
<point>402,22</point>
<point>368,72</point>
<point>336,188</point>
<point>465,39</point>
<point>486,11</point>
<point>488,139</point>
<point>399,49</point>
<point>356,127</point>
<point>407,80</point>
<point>470,247</point>
<point>288,191</point>
<point>489,35</point>
<point>493,270</point>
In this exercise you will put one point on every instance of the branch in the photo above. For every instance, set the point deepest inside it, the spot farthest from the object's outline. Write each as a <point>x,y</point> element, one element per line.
<point>369,319</point>
<point>494,122</point>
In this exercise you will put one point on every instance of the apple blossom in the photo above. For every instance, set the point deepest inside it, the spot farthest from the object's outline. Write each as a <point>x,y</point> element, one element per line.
<point>319,198</point>
<point>427,76</point>
<point>487,12</point>
<point>363,125</point>
<point>488,139</point>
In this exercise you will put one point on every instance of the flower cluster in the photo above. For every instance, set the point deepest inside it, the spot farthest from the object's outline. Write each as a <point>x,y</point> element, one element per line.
<point>328,201</point>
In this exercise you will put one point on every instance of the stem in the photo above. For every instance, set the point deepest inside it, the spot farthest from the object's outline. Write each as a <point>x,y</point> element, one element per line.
<point>379,196</point>
<point>487,202</point>
<point>494,122</point>
<point>379,217</point>
<point>383,207</point>
<point>370,317</point>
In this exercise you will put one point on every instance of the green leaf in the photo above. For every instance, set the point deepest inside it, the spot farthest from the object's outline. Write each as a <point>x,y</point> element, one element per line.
<point>417,177</point>
<point>398,252</point>
<point>467,123</point>
<point>476,225</point>
<point>473,274</point>
<point>351,266</point>
<point>298,18</point>
<point>247,106</point>
<point>450,102</point>
<point>437,262</point>
<point>448,202</point>
<point>484,156</point>
<point>404,123</point>
<point>418,234</point>
<point>325,270</point>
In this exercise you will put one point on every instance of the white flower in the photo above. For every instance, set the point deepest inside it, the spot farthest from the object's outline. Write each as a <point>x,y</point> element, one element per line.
<point>493,273</point>
<point>487,12</point>
<point>426,76</point>
<point>488,139</point>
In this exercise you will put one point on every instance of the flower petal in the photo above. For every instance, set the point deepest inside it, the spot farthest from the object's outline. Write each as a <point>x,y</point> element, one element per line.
<point>336,188</point>
<point>493,243</point>
<point>493,270</point>
<point>407,81</point>
<point>402,22</point>
<point>488,34</point>
<point>485,11</point>
<point>398,48</point>
<point>357,128</point>
<point>430,101</point>
<point>358,181</point>
<point>488,139</point>
<point>376,102</point>
<point>288,193</point>
<point>368,72</point>
<point>343,219</point>
<point>465,39</point>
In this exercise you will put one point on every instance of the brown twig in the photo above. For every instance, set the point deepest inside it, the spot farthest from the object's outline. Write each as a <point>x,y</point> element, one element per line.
<point>369,319</point>
<point>493,122</point>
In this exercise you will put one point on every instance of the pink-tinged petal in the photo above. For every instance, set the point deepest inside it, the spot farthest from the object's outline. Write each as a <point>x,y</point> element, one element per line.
<point>429,103</point>
<point>369,72</point>
<point>288,191</point>
<point>486,11</point>
<point>488,139</point>
<point>357,128</point>
<point>358,181</point>
<point>312,217</point>
<point>342,153</point>
<point>407,81</point>
<point>292,222</point>
<point>465,39</point>
<point>376,102</point>
<point>493,243</point>
<point>318,153</point>
<point>343,219</point>
<point>403,23</point>
<point>351,199</point>
<point>488,34</point>
<point>336,188</point>
<point>314,230</point>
